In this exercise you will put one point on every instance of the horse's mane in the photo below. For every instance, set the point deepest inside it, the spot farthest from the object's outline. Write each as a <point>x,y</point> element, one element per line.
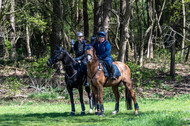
<point>70,57</point>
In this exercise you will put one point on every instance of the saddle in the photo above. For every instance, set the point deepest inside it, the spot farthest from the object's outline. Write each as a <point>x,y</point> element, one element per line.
<point>106,70</point>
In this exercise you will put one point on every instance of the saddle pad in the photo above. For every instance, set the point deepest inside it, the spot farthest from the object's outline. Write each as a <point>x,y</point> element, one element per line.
<point>117,72</point>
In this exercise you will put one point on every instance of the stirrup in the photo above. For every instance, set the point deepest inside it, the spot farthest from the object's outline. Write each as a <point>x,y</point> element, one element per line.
<point>86,84</point>
<point>113,78</point>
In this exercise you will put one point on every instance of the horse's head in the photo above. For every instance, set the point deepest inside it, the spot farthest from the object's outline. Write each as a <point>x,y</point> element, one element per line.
<point>90,53</point>
<point>60,55</point>
<point>56,56</point>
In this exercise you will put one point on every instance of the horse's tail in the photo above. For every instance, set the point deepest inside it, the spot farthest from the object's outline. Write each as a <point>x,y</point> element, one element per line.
<point>128,99</point>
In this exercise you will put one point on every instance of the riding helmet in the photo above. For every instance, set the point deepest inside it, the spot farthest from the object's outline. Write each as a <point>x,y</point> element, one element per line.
<point>79,34</point>
<point>101,34</point>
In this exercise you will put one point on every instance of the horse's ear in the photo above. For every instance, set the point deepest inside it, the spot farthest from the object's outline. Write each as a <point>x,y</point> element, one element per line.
<point>59,48</point>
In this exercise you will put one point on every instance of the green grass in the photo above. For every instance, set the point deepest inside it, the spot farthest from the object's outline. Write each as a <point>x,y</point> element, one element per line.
<point>153,112</point>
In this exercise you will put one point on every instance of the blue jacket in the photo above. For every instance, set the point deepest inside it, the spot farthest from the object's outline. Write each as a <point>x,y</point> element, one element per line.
<point>103,50</point>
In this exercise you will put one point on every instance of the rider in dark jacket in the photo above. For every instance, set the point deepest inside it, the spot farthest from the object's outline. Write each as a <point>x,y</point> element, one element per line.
<point>79,48</point>
<point>103,52</point>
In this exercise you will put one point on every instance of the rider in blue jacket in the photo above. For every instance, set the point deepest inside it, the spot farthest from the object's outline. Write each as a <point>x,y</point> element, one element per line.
<point>103,52</point>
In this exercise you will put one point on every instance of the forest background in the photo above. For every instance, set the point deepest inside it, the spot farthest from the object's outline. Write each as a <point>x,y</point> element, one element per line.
<point>150,36</point>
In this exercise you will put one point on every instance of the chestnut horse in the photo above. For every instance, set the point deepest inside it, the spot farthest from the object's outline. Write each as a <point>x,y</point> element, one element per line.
<point>97,80</point>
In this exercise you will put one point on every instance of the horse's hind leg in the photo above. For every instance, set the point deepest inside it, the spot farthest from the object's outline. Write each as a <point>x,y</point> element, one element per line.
<point>81,100</point>
<point>130,94</point>
<point>95,95</point>
<point>117,96</point>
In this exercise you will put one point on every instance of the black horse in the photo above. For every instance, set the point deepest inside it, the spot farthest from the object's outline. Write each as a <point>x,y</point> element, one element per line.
<point>75,76</point>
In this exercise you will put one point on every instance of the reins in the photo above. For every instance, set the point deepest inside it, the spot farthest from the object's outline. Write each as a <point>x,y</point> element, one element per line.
<point>98,69</point>
<point>70,77</point>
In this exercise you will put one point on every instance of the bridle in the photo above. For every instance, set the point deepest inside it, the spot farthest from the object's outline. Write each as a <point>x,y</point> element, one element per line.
<point>98,69</point>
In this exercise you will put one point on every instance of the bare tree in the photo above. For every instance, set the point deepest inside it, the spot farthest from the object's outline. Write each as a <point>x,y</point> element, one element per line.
<point>56,25</point>
<point>140,34</point>
<point>106,15</point>
<point>184,23</point>
<point>28,38</point>
<point>150,22</point>
<point>0,5</point>
<point>125,33</point>
<point>13,30</point>
<point>97,15</point>
<point>86,24</point>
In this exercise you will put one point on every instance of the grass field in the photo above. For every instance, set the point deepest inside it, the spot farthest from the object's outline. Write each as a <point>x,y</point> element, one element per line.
<point>153,112</point>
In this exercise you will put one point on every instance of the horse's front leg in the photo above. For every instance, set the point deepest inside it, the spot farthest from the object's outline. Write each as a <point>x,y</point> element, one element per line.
<point>95,94</point>
<point>90,96</point>
<point>100,97</point>
<point>81,100</point>
<point>70,90</point>
<point>117,96</point>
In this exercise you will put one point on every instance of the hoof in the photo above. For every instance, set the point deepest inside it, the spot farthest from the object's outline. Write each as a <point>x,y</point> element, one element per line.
<point>72,113</point>
<point>101,114</point>
<point>82,113</point>
<point>114,112</point>
<point>96,113</point>
<point>90,111</point>
<point>136,112</point>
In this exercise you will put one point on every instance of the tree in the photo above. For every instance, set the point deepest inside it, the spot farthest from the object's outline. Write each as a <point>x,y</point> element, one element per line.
<point>13,30</point>
<point>184,24</point>
<point>0,5</point>
<point>28,38</point>
<point>56,25</point>
<point>125,31</point>
<point>97,15</point>
<point>106,15</point>
<point>140,31</point>
<point>150,23</point>
<point>85,15</point>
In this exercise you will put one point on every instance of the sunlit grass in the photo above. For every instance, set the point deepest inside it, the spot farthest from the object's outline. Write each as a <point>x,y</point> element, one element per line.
<point>153,112</point>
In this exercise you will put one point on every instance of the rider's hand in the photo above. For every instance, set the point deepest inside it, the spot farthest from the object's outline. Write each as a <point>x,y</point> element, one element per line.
<point>77,59</point>
<point>93,38</point>
<point>100,57</point>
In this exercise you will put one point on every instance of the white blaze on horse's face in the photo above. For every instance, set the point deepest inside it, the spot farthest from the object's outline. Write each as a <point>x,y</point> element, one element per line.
<point>89,58</point>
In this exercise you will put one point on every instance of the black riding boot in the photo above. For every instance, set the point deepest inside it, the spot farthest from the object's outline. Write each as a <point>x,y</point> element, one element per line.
<point>112,73</point>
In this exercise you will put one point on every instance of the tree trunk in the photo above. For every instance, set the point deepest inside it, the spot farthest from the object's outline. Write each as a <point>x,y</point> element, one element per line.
<point>187,54</point>
<point>63,40</point>
<point>97,15</point>
<point>13,36</point>
<point>172,66</point>
<point>106,15</point>
<point>0,5</point>
<point>132,36</point>
<point>28,41</point>
<point>85,15</point>
<point>125,33</point>
<point>184,23</point>
<point>150,21</point>
<point>56,25</point>
<point>140,36</point>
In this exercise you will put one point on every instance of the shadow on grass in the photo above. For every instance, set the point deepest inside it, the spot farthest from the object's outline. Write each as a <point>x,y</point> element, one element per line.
<point>66,119</point>
<point>43,118</point>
